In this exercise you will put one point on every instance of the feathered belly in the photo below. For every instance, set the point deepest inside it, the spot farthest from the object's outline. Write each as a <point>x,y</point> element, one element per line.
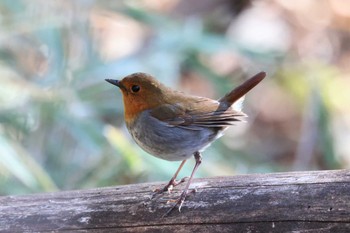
<point>170,142</point>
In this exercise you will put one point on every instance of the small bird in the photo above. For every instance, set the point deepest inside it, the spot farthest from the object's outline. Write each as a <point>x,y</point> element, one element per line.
<point>174,126</point>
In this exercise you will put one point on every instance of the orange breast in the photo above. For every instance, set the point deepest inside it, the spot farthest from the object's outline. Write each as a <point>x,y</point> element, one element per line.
<point>134,106</point>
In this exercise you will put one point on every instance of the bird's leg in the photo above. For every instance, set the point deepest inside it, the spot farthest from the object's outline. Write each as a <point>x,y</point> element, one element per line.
<point>183,195</point>
<point>172,183</point>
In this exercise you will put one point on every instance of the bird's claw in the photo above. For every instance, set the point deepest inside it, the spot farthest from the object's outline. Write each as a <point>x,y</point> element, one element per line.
<point>179,201</point>
<point>169,187</point>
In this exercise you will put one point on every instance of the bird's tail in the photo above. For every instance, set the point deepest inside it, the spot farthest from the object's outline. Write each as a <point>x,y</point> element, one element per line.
<point>241,90</point>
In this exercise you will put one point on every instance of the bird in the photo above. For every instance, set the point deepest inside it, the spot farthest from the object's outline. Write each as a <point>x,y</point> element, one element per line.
<point>174,126</point>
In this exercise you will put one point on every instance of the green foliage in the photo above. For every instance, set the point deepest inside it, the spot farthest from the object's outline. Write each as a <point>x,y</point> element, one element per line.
<point>61,124</point>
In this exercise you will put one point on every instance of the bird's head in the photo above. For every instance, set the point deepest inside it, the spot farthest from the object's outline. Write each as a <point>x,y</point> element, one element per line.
<point>140,92</point>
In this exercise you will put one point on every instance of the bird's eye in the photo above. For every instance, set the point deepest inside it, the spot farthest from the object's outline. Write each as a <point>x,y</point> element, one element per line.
<point>135,88</point>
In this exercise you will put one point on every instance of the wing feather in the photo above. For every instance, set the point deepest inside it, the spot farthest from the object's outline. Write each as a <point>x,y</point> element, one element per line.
<point>200,113</point>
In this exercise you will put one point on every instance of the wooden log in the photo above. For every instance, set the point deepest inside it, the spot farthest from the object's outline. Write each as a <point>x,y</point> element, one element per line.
<point>281,202</point>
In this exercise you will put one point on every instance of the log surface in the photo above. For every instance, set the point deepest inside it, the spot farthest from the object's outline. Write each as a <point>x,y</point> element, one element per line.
<point>280,202</point>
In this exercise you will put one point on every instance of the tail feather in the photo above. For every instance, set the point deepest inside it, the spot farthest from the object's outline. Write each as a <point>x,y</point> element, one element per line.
<point>241,90</point>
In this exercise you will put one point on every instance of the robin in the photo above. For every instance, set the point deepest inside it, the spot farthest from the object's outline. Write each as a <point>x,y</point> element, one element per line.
<point>174,126</point>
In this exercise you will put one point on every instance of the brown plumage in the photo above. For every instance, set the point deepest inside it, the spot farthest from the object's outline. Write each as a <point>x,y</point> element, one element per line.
<point>172,125</point>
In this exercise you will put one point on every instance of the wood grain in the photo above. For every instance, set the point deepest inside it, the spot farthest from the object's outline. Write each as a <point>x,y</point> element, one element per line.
<point>280,202</point>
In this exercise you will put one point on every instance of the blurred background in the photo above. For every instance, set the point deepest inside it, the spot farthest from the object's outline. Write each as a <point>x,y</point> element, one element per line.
<point>62,126</point>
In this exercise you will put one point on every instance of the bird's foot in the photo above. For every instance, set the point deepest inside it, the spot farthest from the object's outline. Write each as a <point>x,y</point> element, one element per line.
<point>169,187</point>
<point>179,202</point>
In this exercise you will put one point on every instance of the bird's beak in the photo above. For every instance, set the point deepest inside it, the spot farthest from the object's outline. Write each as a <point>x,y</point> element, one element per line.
<point>114,82</point>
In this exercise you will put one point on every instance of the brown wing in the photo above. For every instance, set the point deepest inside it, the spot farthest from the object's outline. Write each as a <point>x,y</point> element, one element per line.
<point>197,113</point>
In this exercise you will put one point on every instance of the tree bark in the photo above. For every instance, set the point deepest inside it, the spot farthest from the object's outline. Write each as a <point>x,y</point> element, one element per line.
<point>280,202</point>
